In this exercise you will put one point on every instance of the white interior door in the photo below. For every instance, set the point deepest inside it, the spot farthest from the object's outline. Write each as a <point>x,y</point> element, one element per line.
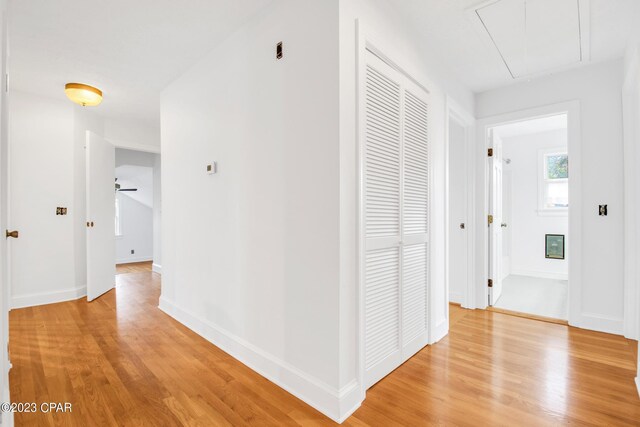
<point>495,227</point>
<point>395,218</point>
<point>101,240</point>
<point>458,247</point>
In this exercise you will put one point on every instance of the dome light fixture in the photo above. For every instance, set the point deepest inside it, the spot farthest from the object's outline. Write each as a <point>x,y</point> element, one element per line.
<point>82,94</point>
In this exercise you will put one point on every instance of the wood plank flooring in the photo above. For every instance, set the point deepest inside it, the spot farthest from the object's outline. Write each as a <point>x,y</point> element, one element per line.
<point>121,361</point>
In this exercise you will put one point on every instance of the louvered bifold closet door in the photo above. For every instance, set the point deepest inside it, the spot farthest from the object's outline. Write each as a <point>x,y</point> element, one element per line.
<point>396,206</point>
<point>382,215</point>
<point>415,220</point>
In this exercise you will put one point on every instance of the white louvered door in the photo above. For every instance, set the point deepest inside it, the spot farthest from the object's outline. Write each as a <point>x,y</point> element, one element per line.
<point>395,218</point>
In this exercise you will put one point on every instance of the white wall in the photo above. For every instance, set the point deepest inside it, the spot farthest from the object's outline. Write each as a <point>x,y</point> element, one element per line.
<point>250,255</point>
<point>136,227</point>
<point>526,227</point>
<point>598,89</point>
<point>47,158</point>
<point>134,158</point>
<point>132,134</point>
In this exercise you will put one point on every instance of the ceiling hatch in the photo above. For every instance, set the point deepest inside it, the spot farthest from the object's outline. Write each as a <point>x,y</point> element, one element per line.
<point>536,36</point>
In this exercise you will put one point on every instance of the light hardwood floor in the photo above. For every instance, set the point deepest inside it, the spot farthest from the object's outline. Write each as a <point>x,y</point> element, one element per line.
<point>121,361</point>
<point>134,267</point>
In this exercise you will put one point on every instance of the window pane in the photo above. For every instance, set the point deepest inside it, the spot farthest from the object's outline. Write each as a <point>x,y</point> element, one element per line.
<point>558,166</point>
<point>557,195</point>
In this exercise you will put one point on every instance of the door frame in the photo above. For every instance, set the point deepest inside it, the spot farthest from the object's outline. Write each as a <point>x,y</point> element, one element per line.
<point>631,129</point>
<point>367,41</point>
<point>481,189</point>
<point>6,418</point>
<point>465,119</point>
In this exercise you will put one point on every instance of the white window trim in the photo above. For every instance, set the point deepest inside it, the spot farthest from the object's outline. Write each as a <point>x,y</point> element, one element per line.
<point>542,179</point>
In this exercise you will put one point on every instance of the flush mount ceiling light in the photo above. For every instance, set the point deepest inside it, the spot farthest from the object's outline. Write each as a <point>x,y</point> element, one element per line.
<point>82,94</point>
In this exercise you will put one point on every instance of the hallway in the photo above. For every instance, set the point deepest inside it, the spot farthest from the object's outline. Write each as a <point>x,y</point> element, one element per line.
<point>119,360</point>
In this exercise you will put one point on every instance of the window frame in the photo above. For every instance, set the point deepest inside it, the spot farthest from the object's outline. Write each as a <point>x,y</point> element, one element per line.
<point>544,181</point>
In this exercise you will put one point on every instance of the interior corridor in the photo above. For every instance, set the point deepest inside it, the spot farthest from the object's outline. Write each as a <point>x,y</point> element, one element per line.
<point>121,361</point>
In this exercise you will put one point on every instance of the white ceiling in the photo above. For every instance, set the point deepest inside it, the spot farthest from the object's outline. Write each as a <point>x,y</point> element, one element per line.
<point>134,49</point>
<point>131,49</point>
<point>139,177</point>
<point>461,44</point>
<point>533,36</point>
<point>528,127</point>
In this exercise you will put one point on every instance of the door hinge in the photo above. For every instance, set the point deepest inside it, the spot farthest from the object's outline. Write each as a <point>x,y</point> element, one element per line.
<point>490,219</point>
<point>490,283</point>
<point>490,152</point>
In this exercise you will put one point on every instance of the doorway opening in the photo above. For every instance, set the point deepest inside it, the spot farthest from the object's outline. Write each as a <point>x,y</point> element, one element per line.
<point>528,221</point>
<point>136,222</point>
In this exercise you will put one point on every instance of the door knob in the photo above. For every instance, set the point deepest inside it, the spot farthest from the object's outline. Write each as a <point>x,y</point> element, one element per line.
<point>462,225</point>
<point>13,234</point>
<point>503,225</point>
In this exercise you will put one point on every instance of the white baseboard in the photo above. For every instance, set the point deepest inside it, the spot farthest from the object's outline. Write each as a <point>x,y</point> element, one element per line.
<point>540,274</point>
<point>638,385</point>
<point>456,297</point>
<point>131,260</point>
<point>334,403</point>
<point>439,331</point>
<point>596,322</point>
<point>156,268</point>
<point>6,418</point>
<point>21,301</point>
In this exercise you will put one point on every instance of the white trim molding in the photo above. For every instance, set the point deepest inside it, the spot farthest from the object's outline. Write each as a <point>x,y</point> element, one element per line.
<point>597,322</point>
<point>133,260</point>
<point>631,139</point>
<point>334,403</point>
<point>30,300</point>
<point>156,268</point>
<point>136,147</point>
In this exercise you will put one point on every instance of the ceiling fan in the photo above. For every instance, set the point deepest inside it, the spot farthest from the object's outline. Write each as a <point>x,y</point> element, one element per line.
<point>123,189</point>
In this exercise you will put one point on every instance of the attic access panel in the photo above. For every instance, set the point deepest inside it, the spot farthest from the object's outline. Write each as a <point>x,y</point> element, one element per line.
<point>535,36</point>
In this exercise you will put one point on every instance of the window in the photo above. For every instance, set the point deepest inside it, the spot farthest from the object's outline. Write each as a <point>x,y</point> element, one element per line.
<point>118,230</point>
<point>554,181</point>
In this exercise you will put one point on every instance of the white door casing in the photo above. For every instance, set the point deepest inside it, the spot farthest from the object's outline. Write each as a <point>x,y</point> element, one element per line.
<point>6,418</point>
<point>395,158</point>
<point>495,227</point>
<point>101,240</point>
